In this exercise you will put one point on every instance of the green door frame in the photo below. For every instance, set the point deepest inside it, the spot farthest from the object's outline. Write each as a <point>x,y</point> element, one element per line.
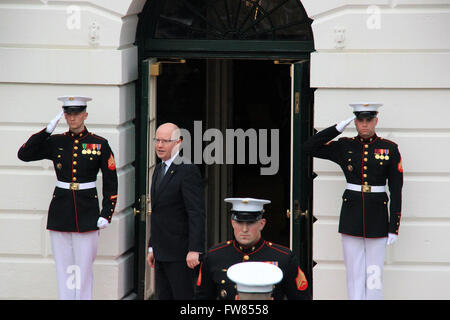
<point>302,188</point>
<point>227,49</point>
<point>141,176</point>
<point>231,49</point>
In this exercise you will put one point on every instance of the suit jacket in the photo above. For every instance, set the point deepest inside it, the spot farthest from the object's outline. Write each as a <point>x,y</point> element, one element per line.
<point>76,158</point>
<point>178,213</point>
<point>370,162</point>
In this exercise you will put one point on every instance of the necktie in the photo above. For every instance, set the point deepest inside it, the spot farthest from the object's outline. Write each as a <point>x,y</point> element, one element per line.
<point>163,169</point>
<point>161,174</point>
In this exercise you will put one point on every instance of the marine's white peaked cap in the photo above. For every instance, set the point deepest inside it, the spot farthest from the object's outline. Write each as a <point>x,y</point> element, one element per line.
<point>69,101</point>
<point>365,106</point>
<point>247,204</point>
<point>254,277</point>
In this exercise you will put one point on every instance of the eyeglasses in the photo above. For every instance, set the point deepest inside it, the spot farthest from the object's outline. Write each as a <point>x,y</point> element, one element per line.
<point>162,141</point>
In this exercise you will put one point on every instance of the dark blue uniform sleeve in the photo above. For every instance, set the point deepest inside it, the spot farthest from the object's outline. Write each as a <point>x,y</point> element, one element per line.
<point>109,173</point>
<point>36,148</point>
<point>321,145</point>
<point>205,288</point>
<point>395,182</point>
<point>295,285</point>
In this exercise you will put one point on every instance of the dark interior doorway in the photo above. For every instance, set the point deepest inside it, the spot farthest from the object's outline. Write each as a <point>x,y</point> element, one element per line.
<point>262,101</point>
<point>251,94</point>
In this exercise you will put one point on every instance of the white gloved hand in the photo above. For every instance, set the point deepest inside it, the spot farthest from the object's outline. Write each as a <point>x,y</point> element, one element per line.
<point>102,223</point>
<point>391,238</point>
<point>52,124</point>
<point>343,124</point>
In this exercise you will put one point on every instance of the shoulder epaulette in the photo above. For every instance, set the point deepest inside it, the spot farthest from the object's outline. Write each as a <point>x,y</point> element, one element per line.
<point>389,141</point>
<point>278,247</point>
<point>94,135</point>
<point>220,246</point>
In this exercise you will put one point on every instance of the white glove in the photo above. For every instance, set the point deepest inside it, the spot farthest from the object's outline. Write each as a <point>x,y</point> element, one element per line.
<point>52,124</point>
<point>391,238</point>
<point>343,124</point>
<point>102,223</point>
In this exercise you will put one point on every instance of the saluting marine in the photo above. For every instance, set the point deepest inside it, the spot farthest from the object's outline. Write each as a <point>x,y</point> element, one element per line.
<point>365,223</point>
<point>247,222</point>
<point>74,215</point>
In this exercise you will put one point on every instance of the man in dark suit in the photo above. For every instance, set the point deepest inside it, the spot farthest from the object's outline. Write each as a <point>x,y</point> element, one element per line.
<point>177,232</point>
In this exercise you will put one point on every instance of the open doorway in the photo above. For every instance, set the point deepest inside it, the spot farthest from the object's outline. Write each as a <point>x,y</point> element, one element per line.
<point>236,87</point>
<point>234,94</point>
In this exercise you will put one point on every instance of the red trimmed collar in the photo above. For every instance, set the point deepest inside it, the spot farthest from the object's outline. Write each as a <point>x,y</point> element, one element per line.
<point>80,135</point>
<point>372,139</point>
<point>249,250</point>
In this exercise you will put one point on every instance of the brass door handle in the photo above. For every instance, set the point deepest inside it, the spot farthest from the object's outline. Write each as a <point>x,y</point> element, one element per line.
<point>300,213</point>
<point>136,211</point>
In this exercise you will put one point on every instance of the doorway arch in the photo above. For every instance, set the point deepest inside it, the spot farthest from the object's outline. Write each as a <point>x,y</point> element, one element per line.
<point>231,28</point>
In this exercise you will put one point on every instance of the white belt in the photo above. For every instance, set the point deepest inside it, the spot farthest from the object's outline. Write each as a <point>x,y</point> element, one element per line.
<point>365,188</point>
<point>75,185</point>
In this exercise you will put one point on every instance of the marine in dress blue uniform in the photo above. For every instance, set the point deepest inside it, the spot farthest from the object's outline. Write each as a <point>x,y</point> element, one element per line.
<point>213,283</point>
<point>367,213</point>
<point>74,215</point>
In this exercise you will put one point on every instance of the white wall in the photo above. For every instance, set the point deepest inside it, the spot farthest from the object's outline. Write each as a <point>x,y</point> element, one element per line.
<point>397,53</point>
<point>46,51</point>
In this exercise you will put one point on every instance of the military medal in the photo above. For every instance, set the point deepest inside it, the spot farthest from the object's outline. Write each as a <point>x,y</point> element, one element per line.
<point>381,154</point>
<point>89,151</point>
<point>96,148</point>
<point>84,149</point>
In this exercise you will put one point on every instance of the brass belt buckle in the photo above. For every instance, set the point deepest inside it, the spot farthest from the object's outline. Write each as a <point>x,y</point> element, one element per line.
<point>74,186</point>
<point>366,188</point>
